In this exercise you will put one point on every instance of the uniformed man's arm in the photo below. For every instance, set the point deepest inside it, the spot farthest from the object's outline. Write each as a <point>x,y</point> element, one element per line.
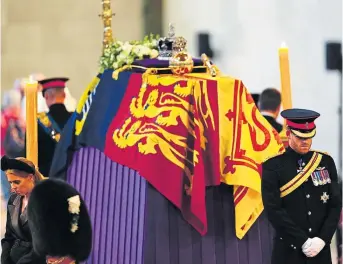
<point>277,215</point>
<point>335,205</point>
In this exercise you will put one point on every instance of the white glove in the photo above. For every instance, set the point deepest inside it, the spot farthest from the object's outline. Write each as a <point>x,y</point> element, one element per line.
<point>307,244</point>
<point>315,247</point>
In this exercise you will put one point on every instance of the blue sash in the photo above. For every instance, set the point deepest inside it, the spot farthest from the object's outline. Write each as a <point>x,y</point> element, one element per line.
<point>49,125</point>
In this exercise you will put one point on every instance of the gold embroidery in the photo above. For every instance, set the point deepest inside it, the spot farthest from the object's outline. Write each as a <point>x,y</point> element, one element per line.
<point>44,119</point>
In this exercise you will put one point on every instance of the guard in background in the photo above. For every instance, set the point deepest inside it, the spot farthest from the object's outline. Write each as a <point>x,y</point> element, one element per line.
<point>256,98</point>
<point>269,104</point>
<point>301,195</point>
<point>59,221</point>
<point>51,124</point>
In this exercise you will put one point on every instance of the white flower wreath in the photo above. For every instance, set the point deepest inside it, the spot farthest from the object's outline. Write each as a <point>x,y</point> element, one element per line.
<point>119,53</point>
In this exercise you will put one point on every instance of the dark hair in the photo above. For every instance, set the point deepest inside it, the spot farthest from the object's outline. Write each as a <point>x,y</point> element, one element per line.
<point>270,99</point>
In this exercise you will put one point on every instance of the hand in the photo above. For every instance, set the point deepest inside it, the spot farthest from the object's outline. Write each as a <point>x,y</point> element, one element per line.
<point>314,248</point>
<point>307,244</point>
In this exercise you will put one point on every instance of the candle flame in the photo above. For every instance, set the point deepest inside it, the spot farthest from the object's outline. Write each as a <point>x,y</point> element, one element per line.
<point>283,45</point>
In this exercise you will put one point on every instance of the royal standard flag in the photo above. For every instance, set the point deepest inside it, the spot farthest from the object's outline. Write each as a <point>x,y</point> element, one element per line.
<point>246,140</point>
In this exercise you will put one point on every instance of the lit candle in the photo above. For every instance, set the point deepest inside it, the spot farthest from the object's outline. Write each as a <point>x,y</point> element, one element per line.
<point>286,93</point>
<point>31,87</point>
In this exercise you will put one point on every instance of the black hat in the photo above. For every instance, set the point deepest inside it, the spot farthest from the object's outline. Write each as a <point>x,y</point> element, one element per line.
<point>14,164</point>
<point>59,221</point>
<point>51,83</point>
<point>301,121</point>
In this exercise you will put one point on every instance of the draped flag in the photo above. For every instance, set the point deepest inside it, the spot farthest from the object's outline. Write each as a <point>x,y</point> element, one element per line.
<point>181,133</point>
<point>89,123</point>
<point>167,130</point>
<point>247,139</point>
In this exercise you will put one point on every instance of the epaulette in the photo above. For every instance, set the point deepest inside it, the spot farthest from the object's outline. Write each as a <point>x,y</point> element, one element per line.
<point>273,156</point>
<point>44,119</point>
<point>41,114</point>
<point>322,152</point>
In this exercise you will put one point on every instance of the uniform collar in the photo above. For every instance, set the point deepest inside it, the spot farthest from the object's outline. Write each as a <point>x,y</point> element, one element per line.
<point>57,108</point>
<point>297,155</point>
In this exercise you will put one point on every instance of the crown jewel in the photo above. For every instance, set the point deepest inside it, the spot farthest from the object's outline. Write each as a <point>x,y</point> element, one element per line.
<point>169,45</point>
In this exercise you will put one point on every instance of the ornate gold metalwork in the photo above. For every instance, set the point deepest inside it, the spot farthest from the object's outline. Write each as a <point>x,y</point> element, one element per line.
<point>107,20</point>
<point>181,63</point>
<point>179,44</point>
<point>208,64</point>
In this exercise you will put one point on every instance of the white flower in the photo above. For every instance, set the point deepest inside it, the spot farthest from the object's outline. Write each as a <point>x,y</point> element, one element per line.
<point>115,65</point>
<point>122,56</point>
<point>145,50</point>
<point>153,53</point>
<point>74,228</point>
<point>135,49</point>
<point>154,42</point>
<point>74,204</point>
<point>127,47</point>
<point>120,53</point>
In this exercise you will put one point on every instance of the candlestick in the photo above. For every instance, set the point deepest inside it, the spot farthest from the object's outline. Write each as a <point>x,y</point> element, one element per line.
<point>286,94</point>
<point>31,87</point>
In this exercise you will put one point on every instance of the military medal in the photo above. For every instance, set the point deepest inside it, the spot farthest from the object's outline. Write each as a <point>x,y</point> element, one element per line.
<point>326,175</point>
<point>325,197</point>
<point>301,164</point>
<point>321,175</point>
<point>314,179</point>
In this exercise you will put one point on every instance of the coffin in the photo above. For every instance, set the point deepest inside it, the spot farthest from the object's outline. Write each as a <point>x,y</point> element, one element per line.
<point>169,167</point>
<point>134,224</point>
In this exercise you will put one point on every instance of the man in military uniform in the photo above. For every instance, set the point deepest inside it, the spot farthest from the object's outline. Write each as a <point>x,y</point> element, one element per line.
<point>301,195</point>
<point>51,124</point>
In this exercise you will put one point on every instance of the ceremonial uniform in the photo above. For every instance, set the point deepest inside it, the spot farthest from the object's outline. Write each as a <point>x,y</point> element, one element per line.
<point>50,126</point>
<point>301,196</point>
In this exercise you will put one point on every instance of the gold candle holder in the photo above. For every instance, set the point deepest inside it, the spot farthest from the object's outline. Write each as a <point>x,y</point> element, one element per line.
<point>107,20</point>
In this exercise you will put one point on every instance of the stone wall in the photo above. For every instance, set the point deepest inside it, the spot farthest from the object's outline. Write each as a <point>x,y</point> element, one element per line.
<point>60,38</point>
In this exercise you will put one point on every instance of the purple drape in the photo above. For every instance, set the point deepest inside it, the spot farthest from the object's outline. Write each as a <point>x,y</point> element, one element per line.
<point>135,224</point>
<point>115,196</point>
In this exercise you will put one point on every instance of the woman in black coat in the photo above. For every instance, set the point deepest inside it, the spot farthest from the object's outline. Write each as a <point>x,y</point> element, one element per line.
<point>17,243</point>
